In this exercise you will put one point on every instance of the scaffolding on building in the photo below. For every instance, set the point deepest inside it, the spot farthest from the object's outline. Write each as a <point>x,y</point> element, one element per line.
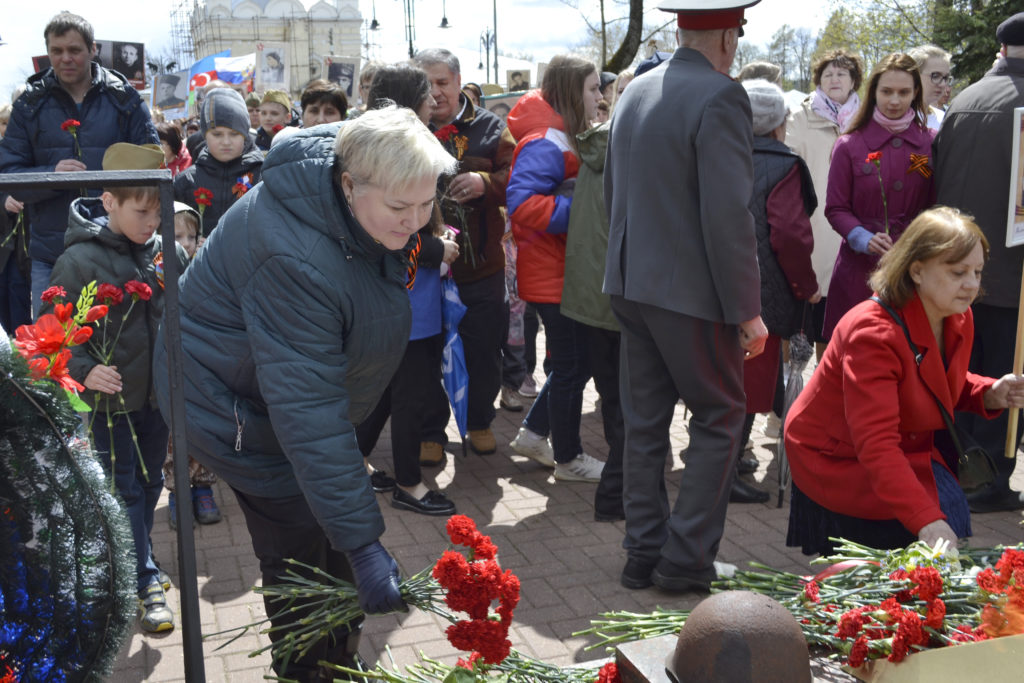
<point>181,32</point>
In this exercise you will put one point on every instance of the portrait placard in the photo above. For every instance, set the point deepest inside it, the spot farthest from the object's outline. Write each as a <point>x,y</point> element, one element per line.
<point>518,80</point>
<point>272,66</point>
<point>343,72</point>
<point>1015,217</point>
<point>170,94</point>
<point>501,104</point>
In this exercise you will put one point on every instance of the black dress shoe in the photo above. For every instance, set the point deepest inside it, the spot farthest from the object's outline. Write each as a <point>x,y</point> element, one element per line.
<point>747,465</point>
<point>670,577</point>
<point>636,574</point>
<point>742,492</point>
<point>993,499</point>
<point>433,503</point>
<point>609,514</point>
<point>381,482</point>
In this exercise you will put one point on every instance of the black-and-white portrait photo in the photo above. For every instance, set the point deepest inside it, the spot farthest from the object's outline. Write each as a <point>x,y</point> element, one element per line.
<point>170,90</point>
<point>129,60</point>
<point>518,80</point>
<point>501,105</point>
<point>271,66</point>
<point>343,72</point>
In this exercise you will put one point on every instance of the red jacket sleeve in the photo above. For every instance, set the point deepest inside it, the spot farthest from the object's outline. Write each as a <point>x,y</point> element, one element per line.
<point>791,237</point>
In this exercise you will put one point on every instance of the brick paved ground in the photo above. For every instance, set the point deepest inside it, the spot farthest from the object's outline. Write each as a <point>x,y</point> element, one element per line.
<point>569,565</point>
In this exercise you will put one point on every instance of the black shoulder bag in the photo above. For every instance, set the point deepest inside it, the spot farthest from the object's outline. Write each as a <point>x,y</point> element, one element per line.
<point>971,463</point>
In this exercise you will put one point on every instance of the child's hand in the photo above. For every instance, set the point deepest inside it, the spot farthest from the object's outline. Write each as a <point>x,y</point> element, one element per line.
<point>103,378</point>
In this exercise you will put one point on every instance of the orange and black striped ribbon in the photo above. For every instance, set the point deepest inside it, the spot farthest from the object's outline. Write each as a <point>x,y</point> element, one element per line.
<point>414,260</point>
<point>919,163</point>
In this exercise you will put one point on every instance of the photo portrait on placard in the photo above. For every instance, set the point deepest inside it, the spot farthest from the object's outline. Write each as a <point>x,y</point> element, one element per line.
<point>104,54</point>
<point>272,66</point>
<point>518,80</point>
<point>41,63</point>
<point>129,60</point>
<point>501,104</point>
<point>343,72</point>
<point>170,91</point>
<point>1015,218</point>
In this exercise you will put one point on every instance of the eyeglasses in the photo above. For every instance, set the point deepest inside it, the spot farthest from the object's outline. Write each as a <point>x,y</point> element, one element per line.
<point>937,78</point>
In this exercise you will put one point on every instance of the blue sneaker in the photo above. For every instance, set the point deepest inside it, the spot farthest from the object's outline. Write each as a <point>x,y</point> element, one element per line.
<point>204,506</point>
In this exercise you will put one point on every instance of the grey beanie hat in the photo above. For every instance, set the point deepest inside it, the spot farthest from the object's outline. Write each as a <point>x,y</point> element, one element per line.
<point>224,107</point>
<point>767,104</point>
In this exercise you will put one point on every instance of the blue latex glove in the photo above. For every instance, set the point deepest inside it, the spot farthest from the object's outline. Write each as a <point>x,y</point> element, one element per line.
<point>858,239</point>
<point>376,576</point>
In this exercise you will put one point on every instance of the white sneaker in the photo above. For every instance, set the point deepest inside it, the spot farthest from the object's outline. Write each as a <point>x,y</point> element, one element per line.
<point>533,446</point>
<point>529,387</point>
<point>772,426</point>
<point>510,400</point>
<point>581,468</point>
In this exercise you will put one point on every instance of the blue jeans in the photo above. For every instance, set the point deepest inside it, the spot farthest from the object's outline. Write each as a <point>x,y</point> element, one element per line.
<point>138,492</point>
<point>558,406</point>
<point>15,297</point>
<point>40,281</point>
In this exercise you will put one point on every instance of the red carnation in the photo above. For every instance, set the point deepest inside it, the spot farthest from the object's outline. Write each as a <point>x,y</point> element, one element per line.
<point>461,530</point>
<point>859,652</point>
<point>609,673</point>
<point>138,290</point>
<point>874,158</point>
<point>109,294</point>
<point>936,614</point>
<point>811,591</point>
<point>850,623</point>
<point>990,582</point>
<point>277,129</point>
<point>52,293</point>
<point>445,133</point>
<point>203,197</point>
<point>70,126</point>
<point>929,583</point>
<point>1012,559</point>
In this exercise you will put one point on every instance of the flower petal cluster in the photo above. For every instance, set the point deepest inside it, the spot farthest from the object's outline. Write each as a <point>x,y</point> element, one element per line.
<point>472,586</point>
<point>138,290</point>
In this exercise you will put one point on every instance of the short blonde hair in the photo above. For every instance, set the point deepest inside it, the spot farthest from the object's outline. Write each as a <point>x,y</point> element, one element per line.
<point>390,148</point>
<point>940,232</point>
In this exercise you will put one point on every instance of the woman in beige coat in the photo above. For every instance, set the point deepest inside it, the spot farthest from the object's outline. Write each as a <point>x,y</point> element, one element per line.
<point>811,132</point>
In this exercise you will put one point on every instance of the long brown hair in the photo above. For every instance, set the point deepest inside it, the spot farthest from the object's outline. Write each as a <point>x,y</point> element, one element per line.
<point>563,90</point>
<point>894,62</point>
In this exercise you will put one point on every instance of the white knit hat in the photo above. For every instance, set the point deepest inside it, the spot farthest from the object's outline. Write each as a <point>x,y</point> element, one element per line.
<point>767,104</point>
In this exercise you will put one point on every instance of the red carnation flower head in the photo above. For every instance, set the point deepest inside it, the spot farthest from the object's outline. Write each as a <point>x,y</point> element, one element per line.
<point>929,583</point>
<point>52,293</point>
<point>858,652</point>
<point>811,591</point>
<point>874,158</point>
<point>138,290</point>
<point>277,128</point>
<point>204,197</point>
<point>461,530</point>
<point>445,133</point>
<point>109,294</point>
<point>70,126</point>
<point>609,673</point>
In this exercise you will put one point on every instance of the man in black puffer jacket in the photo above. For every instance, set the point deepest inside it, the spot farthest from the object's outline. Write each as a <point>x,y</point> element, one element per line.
<point>294,318</point>
<point>106,109</point>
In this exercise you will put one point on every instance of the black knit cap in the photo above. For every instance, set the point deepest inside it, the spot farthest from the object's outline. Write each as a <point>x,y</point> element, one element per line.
<point>1011,31</point>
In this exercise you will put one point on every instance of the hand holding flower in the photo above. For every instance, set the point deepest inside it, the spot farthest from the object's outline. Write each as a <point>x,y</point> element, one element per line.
<point>69,166</point>
<point>937,531</point>
<point>880,243</point>
<point>466,187</point>
<point>1007,392</point>
<point>104,378</point>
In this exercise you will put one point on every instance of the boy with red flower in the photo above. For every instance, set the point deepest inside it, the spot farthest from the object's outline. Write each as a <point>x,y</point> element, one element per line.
<point>113,240</point>
<point>227,167</point>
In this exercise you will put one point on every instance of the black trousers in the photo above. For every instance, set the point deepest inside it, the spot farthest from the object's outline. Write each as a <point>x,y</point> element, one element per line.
<point>604,347</point>
<point>414,390</point>
<point>284,528</point>
<point>995,330</point>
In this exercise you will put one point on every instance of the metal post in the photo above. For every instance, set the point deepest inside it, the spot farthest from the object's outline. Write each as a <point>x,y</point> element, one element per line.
<point>192,636</point>
<point>495,36</point>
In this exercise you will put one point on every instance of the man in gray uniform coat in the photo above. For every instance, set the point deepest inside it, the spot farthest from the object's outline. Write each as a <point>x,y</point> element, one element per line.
<point>682,272</point>
<point>973,153</point>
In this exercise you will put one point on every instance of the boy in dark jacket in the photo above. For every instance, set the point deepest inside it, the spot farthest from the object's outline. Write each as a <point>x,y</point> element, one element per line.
<point>113,240</point>
<point>229,165</point>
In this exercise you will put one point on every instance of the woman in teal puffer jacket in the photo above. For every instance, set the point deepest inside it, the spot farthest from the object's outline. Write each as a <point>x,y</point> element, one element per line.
<point>294,317</point>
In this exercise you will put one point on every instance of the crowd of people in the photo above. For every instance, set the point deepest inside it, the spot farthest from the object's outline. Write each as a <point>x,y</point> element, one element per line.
<point>670,227</point>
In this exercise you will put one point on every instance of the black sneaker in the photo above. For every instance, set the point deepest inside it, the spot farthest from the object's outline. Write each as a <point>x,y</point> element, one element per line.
<point>154,614</point>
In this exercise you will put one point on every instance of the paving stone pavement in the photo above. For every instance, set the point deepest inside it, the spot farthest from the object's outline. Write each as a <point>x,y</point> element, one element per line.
<point>568,564</point>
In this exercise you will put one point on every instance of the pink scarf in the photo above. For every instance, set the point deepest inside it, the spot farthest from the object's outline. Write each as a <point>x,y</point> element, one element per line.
<point>839,114</point>
<point>894,125</point>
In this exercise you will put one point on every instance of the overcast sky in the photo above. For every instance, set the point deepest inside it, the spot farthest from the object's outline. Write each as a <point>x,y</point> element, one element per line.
<point>539,27</point>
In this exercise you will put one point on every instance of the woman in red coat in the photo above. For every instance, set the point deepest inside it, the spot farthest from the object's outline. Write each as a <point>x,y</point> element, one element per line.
<point>875,477</point>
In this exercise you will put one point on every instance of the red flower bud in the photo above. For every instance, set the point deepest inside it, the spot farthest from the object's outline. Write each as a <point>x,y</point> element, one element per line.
<point>95,313</point>
<point>63,312</point>
<point>82,335</point>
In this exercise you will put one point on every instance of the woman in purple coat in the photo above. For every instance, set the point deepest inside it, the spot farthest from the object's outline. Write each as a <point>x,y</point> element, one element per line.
<point>870,201</point>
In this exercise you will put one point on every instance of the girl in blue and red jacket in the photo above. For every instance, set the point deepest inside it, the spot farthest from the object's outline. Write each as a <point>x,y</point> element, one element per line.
<point>539,196</point>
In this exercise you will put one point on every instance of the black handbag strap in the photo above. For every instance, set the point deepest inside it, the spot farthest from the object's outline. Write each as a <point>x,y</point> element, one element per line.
<point>918,356</point>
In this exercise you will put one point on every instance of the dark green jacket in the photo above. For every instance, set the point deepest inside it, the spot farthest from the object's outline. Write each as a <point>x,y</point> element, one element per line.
<point>586,245</point>
<point>293,322</point>
<point>93,253</point>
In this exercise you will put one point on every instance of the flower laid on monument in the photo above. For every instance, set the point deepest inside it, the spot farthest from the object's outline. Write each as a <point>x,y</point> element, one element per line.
<point>873,604</point>
<point>466,578</point>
